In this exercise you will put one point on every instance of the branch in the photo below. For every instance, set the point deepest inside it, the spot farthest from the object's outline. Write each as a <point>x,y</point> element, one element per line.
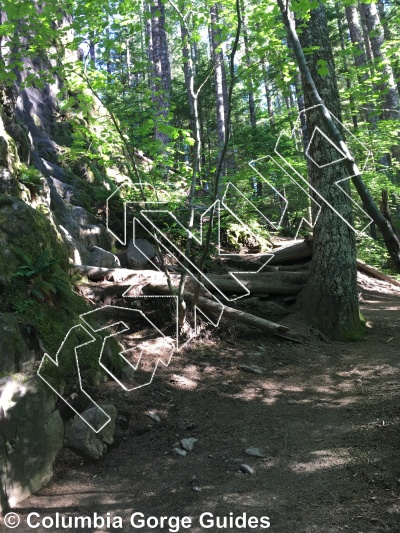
<point>389,236</point>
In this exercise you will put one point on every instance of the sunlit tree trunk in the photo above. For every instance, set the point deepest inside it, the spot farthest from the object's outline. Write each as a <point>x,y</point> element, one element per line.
<point>353,110</point>
<point>268,96</point>
<point>219,75</point>
<point>331,299</point>
<point>252,106</point>
<point>160,67</point>
<point>388,86</point>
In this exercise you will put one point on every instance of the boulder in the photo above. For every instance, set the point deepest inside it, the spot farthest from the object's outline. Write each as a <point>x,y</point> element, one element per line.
<point>95,235</point>
<point>31,435</point>
<point>139,253</point>
<point>16,349</point>
<point>65,190</point>
<point>79,436</point>
<point>77,252</point>
<point>102,258</point>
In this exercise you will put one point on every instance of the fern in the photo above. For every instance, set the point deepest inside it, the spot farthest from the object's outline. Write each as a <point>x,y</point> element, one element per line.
<point>44,284</point>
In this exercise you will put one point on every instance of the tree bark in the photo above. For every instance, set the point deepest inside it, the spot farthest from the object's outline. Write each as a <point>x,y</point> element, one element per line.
<point>252,106</point>
<point>360,57</point>
<point>353,110</point>
<point>367,42</point>
<point>331,299</point>
<point>219,67</point>
<point>391,241</point>
<point>160,67</point>
<point>387,87</point>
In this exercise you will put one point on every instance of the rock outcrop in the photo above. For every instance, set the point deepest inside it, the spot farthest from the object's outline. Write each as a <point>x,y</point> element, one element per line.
<point>31,435</point>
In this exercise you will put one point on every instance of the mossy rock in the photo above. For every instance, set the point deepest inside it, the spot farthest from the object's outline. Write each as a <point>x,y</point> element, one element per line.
<point>19,134</point>
<point>24,229</point>
<point>25,234</point>
<point>18,344</point>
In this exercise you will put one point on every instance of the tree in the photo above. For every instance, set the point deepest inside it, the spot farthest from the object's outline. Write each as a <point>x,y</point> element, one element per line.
<point>160,68</point>
<point>331,298</point>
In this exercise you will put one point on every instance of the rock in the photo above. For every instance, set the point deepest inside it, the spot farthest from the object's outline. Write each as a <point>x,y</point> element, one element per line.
<point>8,181</point>
<point>292,402</point>
<point>17,353</point>
<point>186,424</point>
<point>251,368</point>
<point>139,253</point>
<point>154,417</point>
<point>22,139</point>
<point>91,234</point>
<point>52,170</point>
<point>188,444</point>
<point>102,258</point>
<point>180,452</point>
<point>79,436</point>
<point>31,435</point>
<point>254,452</point>
<point>81,216</point>
<point>246,469</point>
<point>65,190</point>
<point>76,252</point>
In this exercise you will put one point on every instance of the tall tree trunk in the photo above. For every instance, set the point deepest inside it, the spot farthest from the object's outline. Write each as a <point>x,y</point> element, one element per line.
<point>252,107</point>
<point>389,235</point>
<point>161,71</point>
<point>268,94</point>
<point>367,42</point>
<point>388,86</point>
<point>219,67</point>
<point>353,110</point>
<point>188,73</point>
<point>221,88</point>
<point>388,37</point>
<point>360,56</point>
<point>331,298</point>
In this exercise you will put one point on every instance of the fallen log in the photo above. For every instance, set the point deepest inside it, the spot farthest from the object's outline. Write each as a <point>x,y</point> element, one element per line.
<point>376,273</point>
<point>287,283</point>
<point>295,252</point>
<point>99,273</point>
<point>254,264</point>
<point>119,274</point>
<point>235,315</point>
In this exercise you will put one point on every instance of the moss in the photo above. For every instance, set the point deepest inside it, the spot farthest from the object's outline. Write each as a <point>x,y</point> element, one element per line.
<point>26,231</point>
<point>356,332</point>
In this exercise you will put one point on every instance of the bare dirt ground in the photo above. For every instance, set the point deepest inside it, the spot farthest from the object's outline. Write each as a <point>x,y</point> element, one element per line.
<point>326,416</point>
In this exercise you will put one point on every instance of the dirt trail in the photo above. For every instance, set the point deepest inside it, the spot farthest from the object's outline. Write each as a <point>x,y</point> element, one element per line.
<point>325,415</point>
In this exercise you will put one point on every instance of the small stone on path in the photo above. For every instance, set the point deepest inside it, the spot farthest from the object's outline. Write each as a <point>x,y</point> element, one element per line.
<point>251,368</point>
<point>246,469</point>
<point>187,444</point>
<point>254,452</point>
<point>180,452</point>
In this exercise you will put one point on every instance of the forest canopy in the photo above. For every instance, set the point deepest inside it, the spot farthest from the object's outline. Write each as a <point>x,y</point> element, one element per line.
<point>287,113</point>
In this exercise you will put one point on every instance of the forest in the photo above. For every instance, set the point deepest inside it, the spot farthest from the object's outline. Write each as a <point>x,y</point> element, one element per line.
<point>199,265</point>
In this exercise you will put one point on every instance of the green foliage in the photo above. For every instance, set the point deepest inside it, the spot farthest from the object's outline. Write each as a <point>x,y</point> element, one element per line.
<point>373,252</point>
<point>31,178</point>
<point>44,283</point>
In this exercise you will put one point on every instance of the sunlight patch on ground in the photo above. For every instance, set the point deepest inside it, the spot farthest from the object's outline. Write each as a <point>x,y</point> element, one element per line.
<point>249,394</point>
<point>192,372</point>
<point>368,371</point>
<point>326,390</point>
<point>323,459</point>
<point>182,382</point>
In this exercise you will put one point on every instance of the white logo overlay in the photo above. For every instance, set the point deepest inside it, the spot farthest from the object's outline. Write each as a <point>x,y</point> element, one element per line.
<point>101,324</point>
